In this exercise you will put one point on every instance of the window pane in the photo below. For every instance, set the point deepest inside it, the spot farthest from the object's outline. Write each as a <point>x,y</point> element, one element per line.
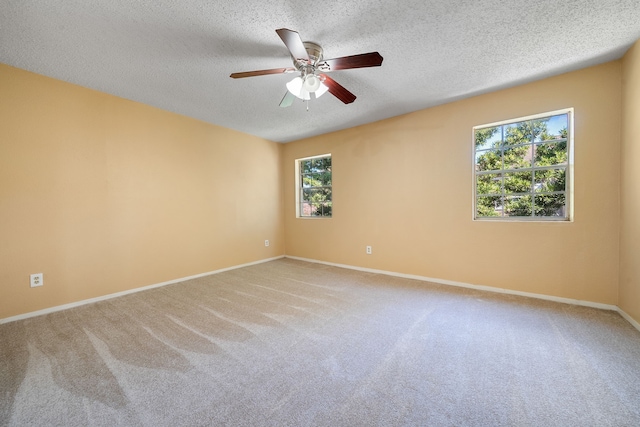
<point>305,166</point>
<point>327,163</point>
<point>517,157</point>
<point>315,179</point>
<point>551,154</point>
<point>537,129</point>
<point>517,206</point>
<point>307,180</point>
<point>557,127</point>
<point>323,209</point>
<point>490,183</point>
<point>517,182</point>
<point>305,209</point>
<point>316,209</point>
<point>489,206</point>
<point>488,160</point>
<point>550,205</point>
<point>321,179</point>
<point>307,194</point>
<point>488,138</point>
<point>316,195</point>
<point>326,179</point>
<point>517,133</point>
<point>550,180</point>
<point>322,164</point>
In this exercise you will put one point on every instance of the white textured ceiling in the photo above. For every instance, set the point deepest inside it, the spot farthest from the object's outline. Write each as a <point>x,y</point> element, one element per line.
<point>177,54</point>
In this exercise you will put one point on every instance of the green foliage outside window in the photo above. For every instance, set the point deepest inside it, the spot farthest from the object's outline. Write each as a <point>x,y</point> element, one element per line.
<point>521,169</point>
<point>315,188</point>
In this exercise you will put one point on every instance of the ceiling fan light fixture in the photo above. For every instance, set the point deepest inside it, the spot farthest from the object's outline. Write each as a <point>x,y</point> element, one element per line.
<point>296,87</point>
<point>311,83</point>
<point>303,87</point>
<point>322,89</point>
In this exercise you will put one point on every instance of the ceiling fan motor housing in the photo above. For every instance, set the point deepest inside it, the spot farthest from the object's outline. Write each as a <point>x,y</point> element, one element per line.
<point>311,82</point>
<point>315,52</point>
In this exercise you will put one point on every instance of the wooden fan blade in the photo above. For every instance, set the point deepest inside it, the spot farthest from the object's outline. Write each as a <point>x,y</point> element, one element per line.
<point>294,43</point>
<point>287,100</point>
<point>371,59</point>
<point>262,72</point>
<point>337,90</point>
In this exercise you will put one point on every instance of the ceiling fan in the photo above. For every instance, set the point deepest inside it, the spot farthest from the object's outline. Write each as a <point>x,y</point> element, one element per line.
<point>309,62</point>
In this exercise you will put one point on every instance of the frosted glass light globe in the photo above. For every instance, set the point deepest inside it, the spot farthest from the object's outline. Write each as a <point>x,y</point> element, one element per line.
<point>311,83</point>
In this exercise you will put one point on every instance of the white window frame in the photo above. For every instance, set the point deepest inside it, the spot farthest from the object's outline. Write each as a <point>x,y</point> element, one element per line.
<point>298,184</point>
<point>569,186</point>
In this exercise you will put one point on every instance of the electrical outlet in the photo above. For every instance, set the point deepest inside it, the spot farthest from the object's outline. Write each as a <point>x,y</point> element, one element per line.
<point>37,280</point>
<point>368,250</point>
<point>266,243</point>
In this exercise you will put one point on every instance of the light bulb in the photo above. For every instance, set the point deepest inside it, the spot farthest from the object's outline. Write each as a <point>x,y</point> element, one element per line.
<point>311,83</point>
<point>296,87</point>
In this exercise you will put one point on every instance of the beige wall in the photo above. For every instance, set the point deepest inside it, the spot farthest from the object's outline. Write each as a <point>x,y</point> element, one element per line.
<point>629,299</point>
<point>404,186</point>
<point>104,195</point>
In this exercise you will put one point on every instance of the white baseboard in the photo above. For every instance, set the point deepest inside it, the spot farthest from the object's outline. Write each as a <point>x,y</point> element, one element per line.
<point>611,307</point>
<point>470,286</point>
<point>351,267</point>
<point>629,318</point>
<point>127,292</point>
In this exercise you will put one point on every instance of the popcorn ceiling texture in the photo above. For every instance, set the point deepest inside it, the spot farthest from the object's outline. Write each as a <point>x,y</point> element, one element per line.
<point>177,55</point>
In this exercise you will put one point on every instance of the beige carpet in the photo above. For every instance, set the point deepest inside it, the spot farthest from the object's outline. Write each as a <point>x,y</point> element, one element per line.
<point>289,343</point>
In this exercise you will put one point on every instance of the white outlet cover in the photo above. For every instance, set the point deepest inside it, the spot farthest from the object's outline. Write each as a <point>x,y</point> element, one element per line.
<point>37,280</point>
<point>266,243</point>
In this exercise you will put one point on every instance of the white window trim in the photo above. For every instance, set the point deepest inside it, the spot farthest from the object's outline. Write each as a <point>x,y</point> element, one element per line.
<point>298,189</point>
<point>569,177</point>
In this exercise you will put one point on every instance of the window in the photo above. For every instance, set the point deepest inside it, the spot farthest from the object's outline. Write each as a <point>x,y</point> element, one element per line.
<point>522,168</point>
<point>314,187</point>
